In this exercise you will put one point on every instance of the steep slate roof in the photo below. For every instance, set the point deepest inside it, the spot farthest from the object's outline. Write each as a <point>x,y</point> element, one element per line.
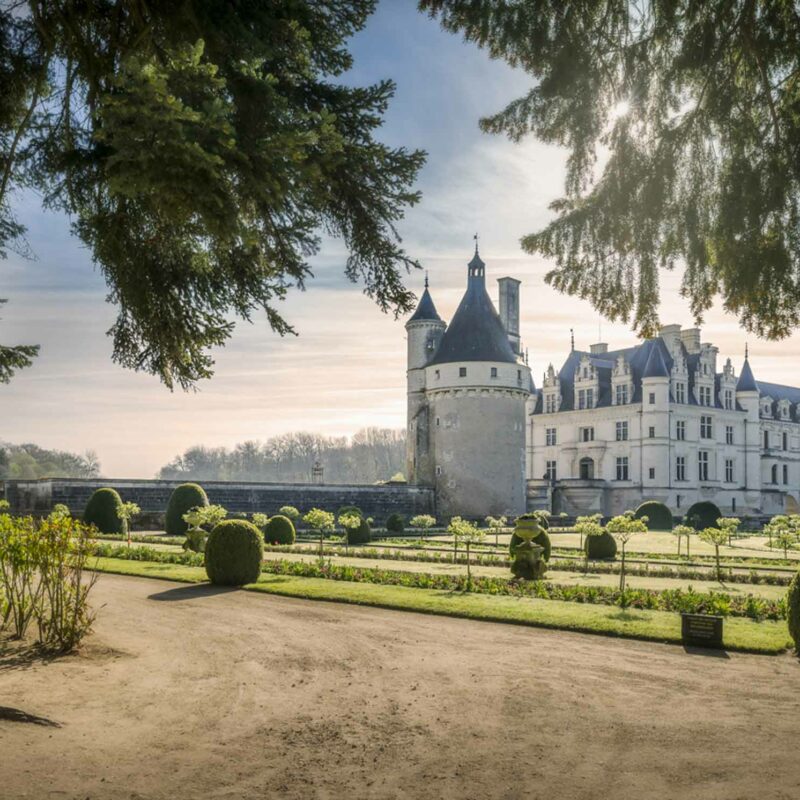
<point>655,366</point>
<point>425,309</point>
<point>746,382</point>
<point>475,332</point>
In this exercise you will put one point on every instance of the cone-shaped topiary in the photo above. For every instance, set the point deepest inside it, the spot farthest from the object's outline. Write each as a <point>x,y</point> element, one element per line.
<point>234,552</point>
<point>279,530</point>
<point>102,511</point>
<point>601,545</point>
<point>702,515</point>
<point>542,538</point>
<point>395,523</point>
<point>793,610</point>
<point>183,498</point>
<point>360,535</point>
<point>659,517</point>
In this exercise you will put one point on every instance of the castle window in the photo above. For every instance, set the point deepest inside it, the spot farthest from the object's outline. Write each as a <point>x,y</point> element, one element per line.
<point>438,470</point>
<point>786,473</point>
<point>705,427</point>
<point>586,434</point>
<point>622,468</point>
<point>729,434</point>
<point>621,394</point>
<point>462,372</point>
<point>766,440</point>
<point>785,442</point>
<point>680,468</point>
<point>677,501</point>
<point>774,473</point>
<point>437,374</point>
<point>652,473</point>
<point>680,392</point>
<point>702,465</point>
<point>733,505</point>
<point>437,422</point>
<point>550,471</point>
<point>550,436</point>
<point>519,374</point>
<point>652,398</point>
<point>680,430</point>
<point>728,399</point>
<point>728,470</point>
<point>652,432</point>
<point>550,404</point>
<point>585,398</point>
<point>622,431</point>
<point>493,372</point>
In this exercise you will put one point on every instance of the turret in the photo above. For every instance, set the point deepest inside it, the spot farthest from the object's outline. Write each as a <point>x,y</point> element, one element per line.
<point>747,396</point>
<point>655,417</point>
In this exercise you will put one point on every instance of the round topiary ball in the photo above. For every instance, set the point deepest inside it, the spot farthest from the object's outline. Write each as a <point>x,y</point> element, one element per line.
<point>702,515</point>
<point>234,552</point>
<point>659,517</point>
<point>360,535</point>
<point>279,530</point>
<point>183,498</point>
<point>793,611</point>
<point>601,545</point>
<point>101,511</point>
<point>349,510</point>
<point>395,523</point>
<point>542,538</point>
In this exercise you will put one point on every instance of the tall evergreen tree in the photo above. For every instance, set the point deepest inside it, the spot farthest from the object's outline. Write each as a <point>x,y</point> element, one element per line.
<point>200,148</point>
<point>698,106</point>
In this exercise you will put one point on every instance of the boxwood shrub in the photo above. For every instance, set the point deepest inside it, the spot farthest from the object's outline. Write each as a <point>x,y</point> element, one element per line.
<point>183,498</point>
<point>279,530</point>
<point>659,517</point>
<point>234,552</point>
<point>395,523</point>
<point>360,535</point>
<point>702,515</point>
<point>793,610</point>
<point>602,545</point>
<point>101,511</point>
<point>349,510</point>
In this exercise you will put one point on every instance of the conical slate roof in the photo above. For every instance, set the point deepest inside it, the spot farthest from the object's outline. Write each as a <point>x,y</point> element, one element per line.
<point>476,332</point>
<point>655,366</point>
<point>746,382</point>
<point>426,309</point>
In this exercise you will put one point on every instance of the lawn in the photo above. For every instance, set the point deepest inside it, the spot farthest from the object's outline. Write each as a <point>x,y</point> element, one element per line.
<point>739,634</point>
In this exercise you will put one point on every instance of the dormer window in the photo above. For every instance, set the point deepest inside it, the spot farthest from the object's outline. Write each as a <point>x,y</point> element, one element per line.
<point>621,393</point>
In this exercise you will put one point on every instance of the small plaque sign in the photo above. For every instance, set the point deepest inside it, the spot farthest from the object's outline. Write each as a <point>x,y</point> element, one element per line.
<point>701,630</point>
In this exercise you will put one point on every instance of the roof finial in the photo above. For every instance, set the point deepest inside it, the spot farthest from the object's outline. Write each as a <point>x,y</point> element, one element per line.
<point>745,351</point>
<point>426,279</point>
<point>572,339</point>
<point>475,237</point>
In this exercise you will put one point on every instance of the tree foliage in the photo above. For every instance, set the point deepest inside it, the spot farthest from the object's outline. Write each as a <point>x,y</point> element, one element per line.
<point>697,105</point>
<point>20,356</point>
<point>29,461</point>
<point>201,148</point>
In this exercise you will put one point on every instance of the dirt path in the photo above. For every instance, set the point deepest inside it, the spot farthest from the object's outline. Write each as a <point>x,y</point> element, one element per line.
<point>190,692</point>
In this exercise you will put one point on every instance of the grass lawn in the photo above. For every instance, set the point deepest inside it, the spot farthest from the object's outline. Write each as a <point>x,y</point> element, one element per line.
<point>739,634</point>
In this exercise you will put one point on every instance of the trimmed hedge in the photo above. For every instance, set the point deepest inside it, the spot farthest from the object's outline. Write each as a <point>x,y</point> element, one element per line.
<point>360,535</point>
<point>101,511</point>
<point>602,545</point>
<point>395,523</point>
<point>659,517</point>
<point>234,552</point>
<point>279,530</point>
<point>703,515</point>
<point>793,610</point>
<point>183,498</point>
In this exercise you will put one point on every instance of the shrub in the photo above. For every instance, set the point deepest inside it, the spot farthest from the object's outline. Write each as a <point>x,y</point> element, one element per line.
<point>601,545</point>
<point>346,510</point>
<point>102,511</point>
<point>234,552</point>
<point>542,539</point>
<point>659,517</point>
<point>793,610</point>
<point>182,500</point>
<point>289,511</point>
<point>703,515</point>
<point>395,523</point>
<point>360,535</point>
<point>279,530</point>
<point>423,521</point>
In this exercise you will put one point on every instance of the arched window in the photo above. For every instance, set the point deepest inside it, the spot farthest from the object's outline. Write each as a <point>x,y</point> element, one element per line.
<point>586,467</point>
<point>774,473</point>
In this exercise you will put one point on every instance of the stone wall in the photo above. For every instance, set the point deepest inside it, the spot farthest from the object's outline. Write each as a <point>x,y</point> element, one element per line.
<point>39,496</point>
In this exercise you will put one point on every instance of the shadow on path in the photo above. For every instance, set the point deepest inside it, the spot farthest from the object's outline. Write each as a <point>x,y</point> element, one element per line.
<point>710,652</point>
<point>9,714</point>
<point>192,592</point>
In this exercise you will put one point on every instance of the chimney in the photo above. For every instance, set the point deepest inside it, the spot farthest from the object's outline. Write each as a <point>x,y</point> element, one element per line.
<point>600,347</point>
<point>671,335</point>
<point>509,310</point>
<point>691,339</point>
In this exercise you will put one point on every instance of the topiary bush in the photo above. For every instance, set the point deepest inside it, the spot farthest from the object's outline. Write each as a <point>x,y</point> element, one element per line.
<point>542,539</point>
<point>102,511</point>
<point>793,611</point>
<point>183,498</point>
<point>234,552</point>
<point>360,535</point>
<point>279,530</point>
<point>703,515</point>
<point>349,510</point>
<point>659,517</point>
<point>527,560</point>
<point>395,523</point>
<point>601,545</point>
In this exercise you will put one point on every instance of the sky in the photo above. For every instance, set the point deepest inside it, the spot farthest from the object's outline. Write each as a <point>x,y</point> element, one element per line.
<point>346,369</point>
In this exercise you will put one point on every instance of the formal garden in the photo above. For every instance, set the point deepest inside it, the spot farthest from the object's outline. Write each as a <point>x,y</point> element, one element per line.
<point>633,575</point>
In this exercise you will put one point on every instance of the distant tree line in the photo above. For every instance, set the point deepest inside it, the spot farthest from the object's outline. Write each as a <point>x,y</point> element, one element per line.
<point>371,455</point>
<point>29,461</point>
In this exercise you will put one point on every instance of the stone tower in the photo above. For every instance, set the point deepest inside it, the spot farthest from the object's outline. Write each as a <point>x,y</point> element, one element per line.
<point>467,390</point>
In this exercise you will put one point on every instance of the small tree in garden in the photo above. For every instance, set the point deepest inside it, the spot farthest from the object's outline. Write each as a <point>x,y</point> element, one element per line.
<point>200,520</point>
<point>468,533</point>
<point>351,522</point>
<point>289,511</point>
<point>422,522</point>
<point>730,525</point>
<point>321,521</point>
<point>785,538</point>
<point>60,511</point>
<point>681,531</point>
<point>126,512</point>
<point>496,524</point>
<point>622,528</point>
<point>588,526</point>
<point>717,537</point>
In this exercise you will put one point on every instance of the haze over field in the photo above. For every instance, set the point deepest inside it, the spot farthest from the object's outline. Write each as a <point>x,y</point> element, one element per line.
<point>346,370</point>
